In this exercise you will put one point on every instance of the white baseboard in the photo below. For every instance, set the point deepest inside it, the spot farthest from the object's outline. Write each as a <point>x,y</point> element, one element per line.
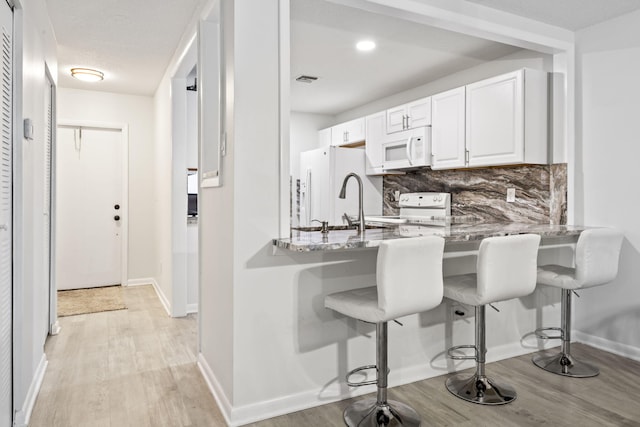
<point>151,281</point>
<point>246,414</point>
<point>141,281</point>
<point>620,349</point>
<point>23,415</point>
<point>192,308</point>
<point>215,388</point>
<point>55,328</point>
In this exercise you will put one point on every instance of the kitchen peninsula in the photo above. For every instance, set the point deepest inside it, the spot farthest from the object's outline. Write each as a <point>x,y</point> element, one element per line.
<point>454,233</point>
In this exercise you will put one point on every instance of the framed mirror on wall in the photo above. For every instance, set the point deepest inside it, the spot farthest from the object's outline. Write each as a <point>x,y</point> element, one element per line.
<point>211,143</point>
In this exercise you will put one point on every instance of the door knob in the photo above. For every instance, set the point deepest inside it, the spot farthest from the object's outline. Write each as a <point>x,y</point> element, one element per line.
<point>116,207</point>
<point>117,217</point>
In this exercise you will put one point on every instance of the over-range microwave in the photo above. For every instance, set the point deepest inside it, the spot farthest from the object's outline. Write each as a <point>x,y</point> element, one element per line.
<point>407,149</point>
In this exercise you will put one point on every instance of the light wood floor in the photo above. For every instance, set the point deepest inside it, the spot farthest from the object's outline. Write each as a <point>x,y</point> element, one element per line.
<point>137,368</point>
<point>133,367</point>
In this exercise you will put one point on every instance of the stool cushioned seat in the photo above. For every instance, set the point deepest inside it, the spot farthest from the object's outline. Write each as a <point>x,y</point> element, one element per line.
<point>596,261</point>
<point>361,304</point>
<point>558,275</point>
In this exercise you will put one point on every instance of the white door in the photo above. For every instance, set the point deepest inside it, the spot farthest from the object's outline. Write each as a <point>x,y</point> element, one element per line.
<point>89,207</point>
<point>6,213</point>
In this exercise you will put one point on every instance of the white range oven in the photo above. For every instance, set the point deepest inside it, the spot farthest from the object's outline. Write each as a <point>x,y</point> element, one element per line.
<point>421,214</point>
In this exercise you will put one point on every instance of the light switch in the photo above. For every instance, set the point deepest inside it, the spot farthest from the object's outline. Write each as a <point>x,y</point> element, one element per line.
<point>28,129</point>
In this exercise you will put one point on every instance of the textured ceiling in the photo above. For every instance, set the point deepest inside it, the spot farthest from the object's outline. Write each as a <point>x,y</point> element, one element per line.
<point>131,41</point>
<point>570,14</point>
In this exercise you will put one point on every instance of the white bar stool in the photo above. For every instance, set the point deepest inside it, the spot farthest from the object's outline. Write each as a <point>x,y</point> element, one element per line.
<point>596,263</point>
<point>506,269</point>
<point>408,281</point>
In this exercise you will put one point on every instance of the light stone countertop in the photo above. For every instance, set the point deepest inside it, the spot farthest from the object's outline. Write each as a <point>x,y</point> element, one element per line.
<point>308,241</point>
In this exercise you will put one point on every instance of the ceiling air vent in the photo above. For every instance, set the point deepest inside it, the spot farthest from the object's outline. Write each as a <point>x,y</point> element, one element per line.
<point>306,79</point>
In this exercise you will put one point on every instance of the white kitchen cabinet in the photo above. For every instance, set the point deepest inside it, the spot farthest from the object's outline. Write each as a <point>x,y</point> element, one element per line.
<point>349,132</point>
<point>448,129</point>
<point>409,116</point>
<point>376,128</point>
<point>506,119</point>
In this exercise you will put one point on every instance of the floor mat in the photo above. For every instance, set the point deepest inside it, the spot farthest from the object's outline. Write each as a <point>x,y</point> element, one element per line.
<point>94,300</point>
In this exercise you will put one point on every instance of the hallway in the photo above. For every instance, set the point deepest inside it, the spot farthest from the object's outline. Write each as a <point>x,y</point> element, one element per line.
<point>133,367</point>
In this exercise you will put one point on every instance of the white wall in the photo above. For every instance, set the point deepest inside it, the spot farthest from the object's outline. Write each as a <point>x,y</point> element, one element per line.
<point>31,292</point>
<point>137,112</point>
<point>163,192</point>
<point>304,129</point>
<point>608,62</point>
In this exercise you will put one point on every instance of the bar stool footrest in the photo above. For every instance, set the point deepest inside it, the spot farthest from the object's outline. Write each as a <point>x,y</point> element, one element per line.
<point>360,369</point>
<point>451,350</point>
<point>541,333</point>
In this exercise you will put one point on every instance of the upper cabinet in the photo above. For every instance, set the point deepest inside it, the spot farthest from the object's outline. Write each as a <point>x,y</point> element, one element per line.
<point>497,121</point>
<point>349,132</point>
<point>506,119</point>
<point>448,129</point>
<point>409,116</point>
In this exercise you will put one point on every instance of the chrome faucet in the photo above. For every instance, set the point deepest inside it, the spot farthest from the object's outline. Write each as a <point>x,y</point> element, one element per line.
<point>343,194</point>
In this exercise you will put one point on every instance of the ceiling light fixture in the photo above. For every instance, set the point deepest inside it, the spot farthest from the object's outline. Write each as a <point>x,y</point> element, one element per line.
<point>366,45</point>
<point>87,74</point>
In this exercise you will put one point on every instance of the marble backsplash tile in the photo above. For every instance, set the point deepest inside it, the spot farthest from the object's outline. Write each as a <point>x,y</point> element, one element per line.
<point>541,192</point>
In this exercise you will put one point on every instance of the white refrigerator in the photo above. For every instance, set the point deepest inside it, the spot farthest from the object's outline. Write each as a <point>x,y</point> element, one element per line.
<point>322,172</point>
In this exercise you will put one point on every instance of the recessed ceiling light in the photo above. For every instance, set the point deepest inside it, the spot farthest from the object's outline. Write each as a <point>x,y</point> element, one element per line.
<point>87,74</point>
<point>366,45</point>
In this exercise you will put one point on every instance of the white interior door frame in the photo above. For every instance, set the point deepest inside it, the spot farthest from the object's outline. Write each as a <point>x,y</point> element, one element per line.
<point>124,133</point>
<point>179,169</point>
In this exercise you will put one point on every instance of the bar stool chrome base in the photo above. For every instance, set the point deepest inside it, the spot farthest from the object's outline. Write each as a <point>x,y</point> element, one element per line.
<point>370,413</point>
<point>565,364</point>
<point>480,390</point>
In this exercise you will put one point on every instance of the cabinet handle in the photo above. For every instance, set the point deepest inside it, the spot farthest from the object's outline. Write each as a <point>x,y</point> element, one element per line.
<point>404,122</point>
<point>407,116</point>
<point>466,157</point>
<point>346,136</point>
